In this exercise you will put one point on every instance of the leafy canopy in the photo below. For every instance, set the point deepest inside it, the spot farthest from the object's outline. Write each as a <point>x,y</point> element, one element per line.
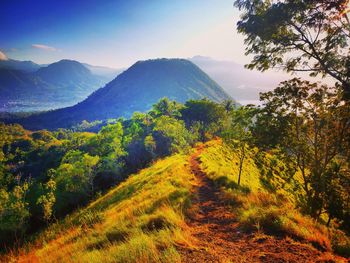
<point>298,35</point>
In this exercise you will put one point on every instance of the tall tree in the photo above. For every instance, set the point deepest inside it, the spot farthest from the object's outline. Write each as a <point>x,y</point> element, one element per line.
<point>316,124</point>
<point>298,35</point>
<point>207,116</point>
<point>239,134</point>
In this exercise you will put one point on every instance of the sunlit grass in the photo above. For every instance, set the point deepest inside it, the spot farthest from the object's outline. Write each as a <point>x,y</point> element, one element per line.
<point>221,164</point>
<point>141,220</point>
<point>266,198</point>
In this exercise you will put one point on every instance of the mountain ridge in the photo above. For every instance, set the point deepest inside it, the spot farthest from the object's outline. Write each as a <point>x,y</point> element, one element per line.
<point>27,66</point>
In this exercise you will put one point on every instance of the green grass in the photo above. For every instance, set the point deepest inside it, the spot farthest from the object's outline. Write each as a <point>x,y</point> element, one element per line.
<point>141,220</point>
<point>221,164</point>
<point>267,197</point>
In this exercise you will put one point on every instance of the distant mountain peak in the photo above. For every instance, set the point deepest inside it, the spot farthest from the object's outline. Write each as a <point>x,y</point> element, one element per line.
<point>66,68</point>
<point>67,63</point>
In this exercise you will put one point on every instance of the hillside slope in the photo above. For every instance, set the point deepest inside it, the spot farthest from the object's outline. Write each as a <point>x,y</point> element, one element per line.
<point>174,211</point>
<point>136,89</point>
<point>141,219</point>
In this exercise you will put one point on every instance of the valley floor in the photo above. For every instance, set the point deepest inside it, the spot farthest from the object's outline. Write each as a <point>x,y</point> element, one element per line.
<point>220,239</point>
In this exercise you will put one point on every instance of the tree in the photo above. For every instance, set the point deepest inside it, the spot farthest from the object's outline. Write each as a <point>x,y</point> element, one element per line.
<point>75,180</point>
<point>298,35</point>
<point>207,116</point>
<point>316,124</point>
<point>108,145</point>
<point>48,198</point>
<point>170,136</point>
<point>228,105</point>
<point>108,141</point>
<point>14,212</point>
<point>239,134</point>
<point>166,107</point>
<point>90,163</point>
<point>135,131</point>
<point>337,194</point>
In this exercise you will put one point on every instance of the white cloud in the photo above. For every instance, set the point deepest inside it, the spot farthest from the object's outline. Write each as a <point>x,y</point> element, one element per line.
<point>44,47</point>
<point>3,56</point>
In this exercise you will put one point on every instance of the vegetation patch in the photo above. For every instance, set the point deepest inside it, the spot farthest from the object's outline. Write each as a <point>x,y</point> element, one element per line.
<point>144,225</point>
<point>264,201</point>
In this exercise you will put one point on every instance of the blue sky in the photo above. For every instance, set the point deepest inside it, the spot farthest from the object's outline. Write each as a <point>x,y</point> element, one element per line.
<point>118,33</point>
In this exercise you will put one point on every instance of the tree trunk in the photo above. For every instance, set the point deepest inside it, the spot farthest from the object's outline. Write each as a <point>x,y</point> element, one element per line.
<point>329,220</point>
<point>241,159</point>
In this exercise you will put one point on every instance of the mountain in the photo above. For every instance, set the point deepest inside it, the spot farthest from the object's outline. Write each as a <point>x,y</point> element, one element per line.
<point>64,72</point>
<point>26,66</point>
<point>242,84</point>
<point>57,85</point>
<point>71,76</point>
<point>136,89</point>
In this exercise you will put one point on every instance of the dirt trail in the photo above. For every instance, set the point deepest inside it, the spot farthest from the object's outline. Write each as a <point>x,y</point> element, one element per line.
<point>220,239</point>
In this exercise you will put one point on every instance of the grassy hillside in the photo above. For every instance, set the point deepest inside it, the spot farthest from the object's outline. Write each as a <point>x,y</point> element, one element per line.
<point>266,199</point>
<point>144,219</point>
<point>262,171</point>
<point>141,219</point>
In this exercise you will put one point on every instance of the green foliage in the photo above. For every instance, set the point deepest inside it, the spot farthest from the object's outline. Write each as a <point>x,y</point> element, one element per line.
<point>238,134</point>
<point>108,142</point>
<point>207,116</point>
<point>171,136</point>
<point>74,180</point>
<point>337,194</point>
<point>165,107</point>
<point>315,124</point>
<point>311,36</point>
<point>48,198</point>
<point>68,169</point>
<point>14,212</point>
